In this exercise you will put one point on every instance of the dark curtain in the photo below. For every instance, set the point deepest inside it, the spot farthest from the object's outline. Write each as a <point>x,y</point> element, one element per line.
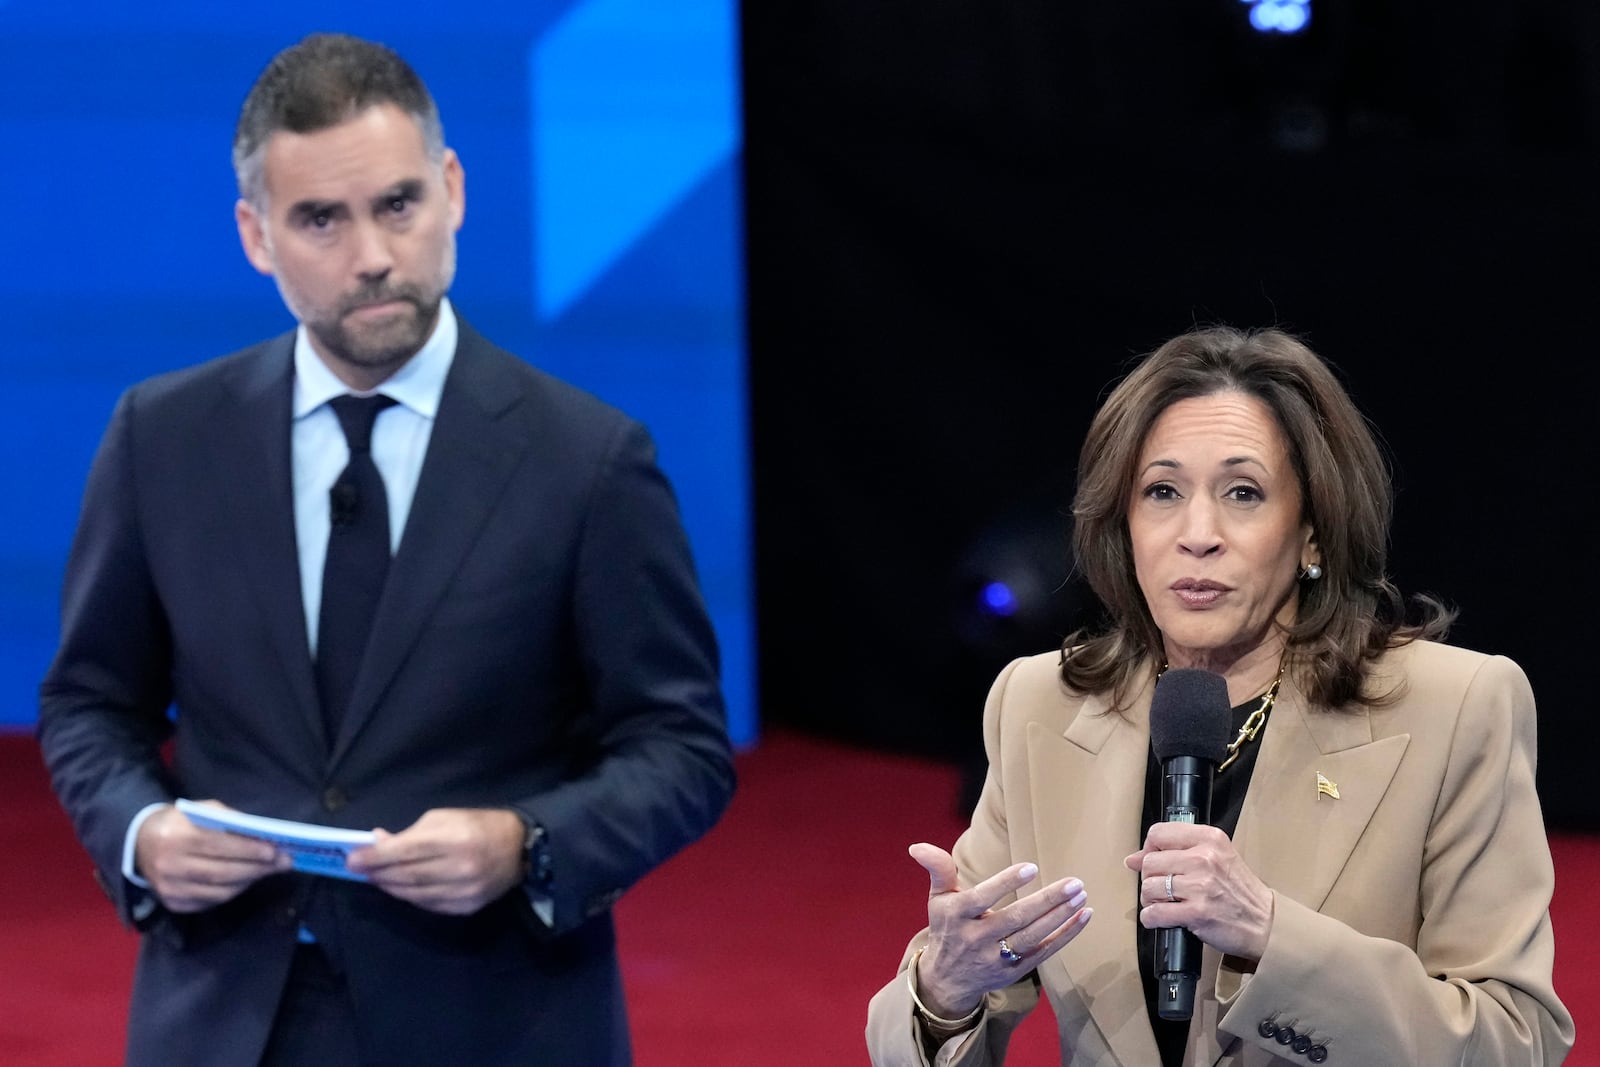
<point>964,218</point>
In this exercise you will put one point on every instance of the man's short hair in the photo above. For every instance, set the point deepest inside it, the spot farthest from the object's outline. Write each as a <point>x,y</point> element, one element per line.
<point>325,80</point>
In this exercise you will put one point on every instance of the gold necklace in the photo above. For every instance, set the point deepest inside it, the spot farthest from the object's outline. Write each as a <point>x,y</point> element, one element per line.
<point>1252,724</point>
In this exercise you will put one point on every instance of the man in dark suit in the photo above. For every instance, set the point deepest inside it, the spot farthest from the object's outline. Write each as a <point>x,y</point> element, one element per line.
<point>519,696</point>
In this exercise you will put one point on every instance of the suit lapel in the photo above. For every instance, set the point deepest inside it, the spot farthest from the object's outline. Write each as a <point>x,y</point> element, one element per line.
<point>471,454</point>
<point>1087,795</point>
<point>1295,837</point>
<point>253,469</point>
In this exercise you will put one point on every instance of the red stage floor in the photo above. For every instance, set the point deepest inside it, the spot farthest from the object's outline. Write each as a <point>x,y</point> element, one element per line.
<point>759,945</point>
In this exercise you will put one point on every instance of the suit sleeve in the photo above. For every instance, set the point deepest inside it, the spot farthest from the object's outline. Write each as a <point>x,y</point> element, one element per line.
<point>658,770</point>
<point>103,702</point>
<point>894,1037</point>
<point>1477,989</point>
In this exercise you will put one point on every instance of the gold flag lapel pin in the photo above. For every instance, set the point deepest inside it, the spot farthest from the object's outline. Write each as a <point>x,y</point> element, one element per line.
<point>1326,786</point>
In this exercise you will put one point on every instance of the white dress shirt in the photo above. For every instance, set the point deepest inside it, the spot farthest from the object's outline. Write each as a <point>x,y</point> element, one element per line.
<point>400,437</point>
<point>318,453</point>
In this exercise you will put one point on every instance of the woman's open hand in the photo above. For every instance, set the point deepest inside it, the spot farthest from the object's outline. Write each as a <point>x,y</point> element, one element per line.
<point>964,957</point>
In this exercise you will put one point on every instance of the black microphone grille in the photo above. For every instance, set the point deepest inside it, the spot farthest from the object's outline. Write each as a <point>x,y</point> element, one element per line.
<point>1189,715</point>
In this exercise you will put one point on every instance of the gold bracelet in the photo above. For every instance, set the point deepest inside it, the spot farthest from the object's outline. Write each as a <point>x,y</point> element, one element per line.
<point>944,1027</point>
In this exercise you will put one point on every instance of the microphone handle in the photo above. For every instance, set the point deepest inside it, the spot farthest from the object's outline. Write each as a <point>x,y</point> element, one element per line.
<point>1185,797</point>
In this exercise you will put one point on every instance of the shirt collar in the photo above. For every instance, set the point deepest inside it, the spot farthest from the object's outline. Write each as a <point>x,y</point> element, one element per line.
<point>418,384</point>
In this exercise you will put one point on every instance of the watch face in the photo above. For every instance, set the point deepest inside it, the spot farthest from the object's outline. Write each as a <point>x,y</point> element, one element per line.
<point>536,851</point>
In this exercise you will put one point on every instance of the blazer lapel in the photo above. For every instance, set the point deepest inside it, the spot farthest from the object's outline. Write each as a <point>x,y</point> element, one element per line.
<point>1087,795</point>
<point>252,468</point>
<point>1294,834</point>
<point>471,454</point>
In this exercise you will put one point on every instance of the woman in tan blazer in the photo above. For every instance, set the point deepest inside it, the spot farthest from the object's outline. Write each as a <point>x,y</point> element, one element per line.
<point>1375,882</point>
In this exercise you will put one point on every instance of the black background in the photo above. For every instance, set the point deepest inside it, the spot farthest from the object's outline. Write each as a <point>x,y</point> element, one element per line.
<point>964,218</point>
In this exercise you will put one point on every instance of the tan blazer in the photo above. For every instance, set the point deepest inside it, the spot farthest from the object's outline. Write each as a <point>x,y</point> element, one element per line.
<point>1411,913</point>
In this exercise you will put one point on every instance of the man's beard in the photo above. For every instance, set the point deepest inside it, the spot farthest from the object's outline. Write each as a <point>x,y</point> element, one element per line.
<point>375,346</point>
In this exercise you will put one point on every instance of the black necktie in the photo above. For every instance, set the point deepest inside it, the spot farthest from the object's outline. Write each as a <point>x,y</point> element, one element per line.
<point>357,563</point>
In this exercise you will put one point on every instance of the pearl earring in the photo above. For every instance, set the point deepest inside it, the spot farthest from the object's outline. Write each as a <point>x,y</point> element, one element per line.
<point>1312,572</point>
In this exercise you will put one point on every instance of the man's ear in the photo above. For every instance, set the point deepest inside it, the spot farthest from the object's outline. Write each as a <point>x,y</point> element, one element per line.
<point>253,235</point>
<point>455,185</point>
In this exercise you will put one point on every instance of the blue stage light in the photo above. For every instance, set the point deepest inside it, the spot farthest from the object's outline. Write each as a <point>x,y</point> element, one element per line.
<point>1280,16</point>
<point>997,599</point>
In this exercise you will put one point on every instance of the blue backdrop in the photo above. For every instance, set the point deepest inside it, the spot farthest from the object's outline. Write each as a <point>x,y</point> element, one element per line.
<point>601,142</point>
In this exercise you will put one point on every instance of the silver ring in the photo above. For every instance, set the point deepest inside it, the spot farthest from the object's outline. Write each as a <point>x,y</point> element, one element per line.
<point>1006,953</point>
<point>1171,897</point>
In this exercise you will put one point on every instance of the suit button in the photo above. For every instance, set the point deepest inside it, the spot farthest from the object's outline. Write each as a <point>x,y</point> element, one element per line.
<point>1318,1053</point>
<point>1286,1035</point>
<point>333,798</point>
<point>1266,1029</point>
<point>288,916</point>
<point>1301,1044</point>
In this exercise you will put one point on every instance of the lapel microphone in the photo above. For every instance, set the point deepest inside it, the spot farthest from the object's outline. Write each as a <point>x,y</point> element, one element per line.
<point>1189,721</point>
<point>344,503</point>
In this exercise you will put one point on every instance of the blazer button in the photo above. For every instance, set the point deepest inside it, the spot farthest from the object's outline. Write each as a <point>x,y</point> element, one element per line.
<point>1266,1029</point>
<point>288,916</point>
<point>333,798</point>
<point>1301,1045</point>
<point>1318,1053</point>
<point>1286,1035</point>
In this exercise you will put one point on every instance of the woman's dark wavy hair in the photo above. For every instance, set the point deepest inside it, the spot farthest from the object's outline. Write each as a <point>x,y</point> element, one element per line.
<point>1348,616</point>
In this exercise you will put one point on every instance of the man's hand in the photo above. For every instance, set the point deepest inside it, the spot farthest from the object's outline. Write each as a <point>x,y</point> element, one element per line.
<point>190,869</point>
<point>452,860</point>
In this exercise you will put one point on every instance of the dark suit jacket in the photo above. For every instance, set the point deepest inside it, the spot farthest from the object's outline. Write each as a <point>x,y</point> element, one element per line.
<point>1411,919</point>
<point>541,644</point>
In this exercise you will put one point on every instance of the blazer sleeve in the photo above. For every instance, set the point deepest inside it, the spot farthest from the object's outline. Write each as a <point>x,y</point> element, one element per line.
<point>1477,988</point>
<point>894,1037</point>
<point>656,771</point>
<point>103,702</point>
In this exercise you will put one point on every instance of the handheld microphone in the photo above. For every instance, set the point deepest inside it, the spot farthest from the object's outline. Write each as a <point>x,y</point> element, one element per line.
<point>1189,721</point>
<point>344,501</point>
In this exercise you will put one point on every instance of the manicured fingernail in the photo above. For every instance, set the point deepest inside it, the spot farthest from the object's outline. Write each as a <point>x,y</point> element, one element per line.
<point>1028,872</point>
<point>1077,897</point>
